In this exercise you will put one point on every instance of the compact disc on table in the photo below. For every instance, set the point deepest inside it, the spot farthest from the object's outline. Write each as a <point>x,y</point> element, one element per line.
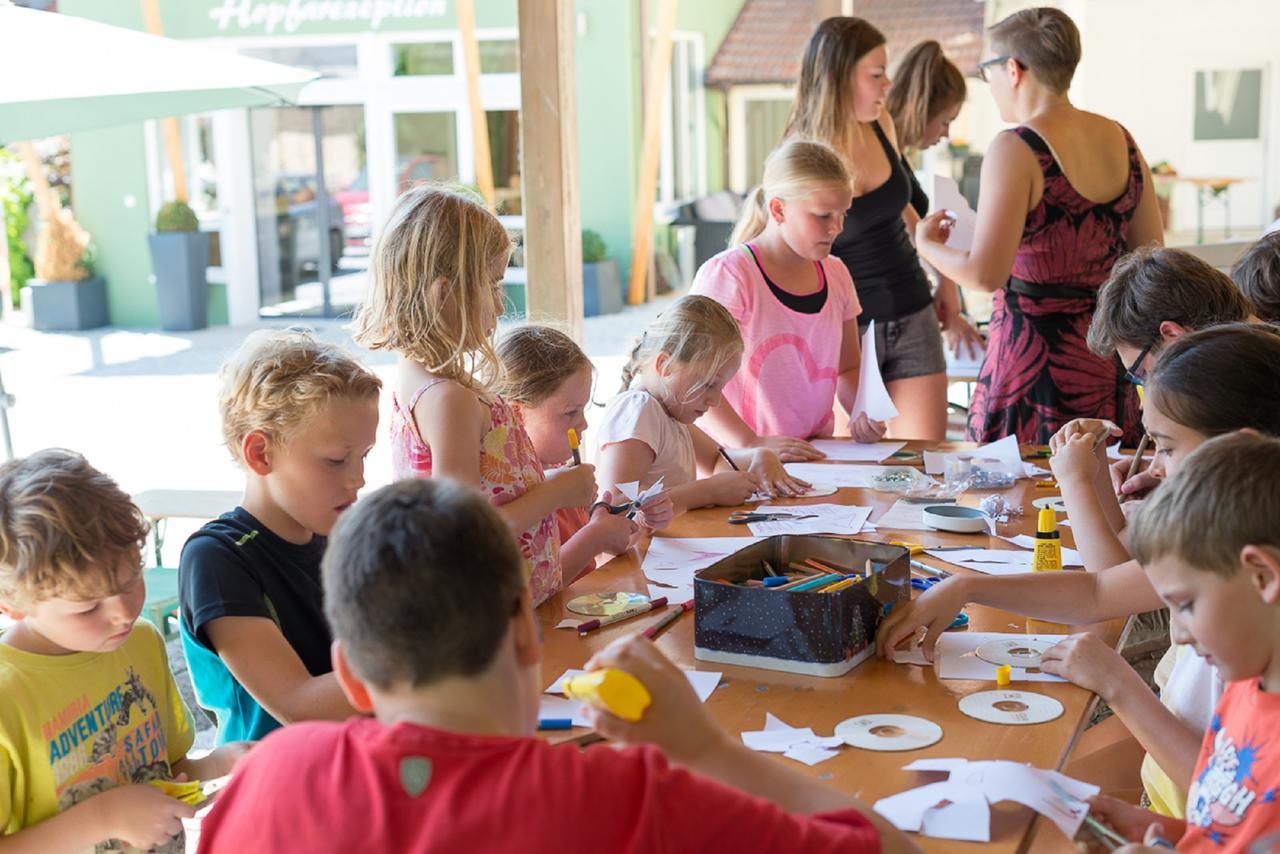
<point>816,490</point>
<point>1011,707</point>
<point>1055,501</point>
<point>1015,652</point>
<point>605,604</point>
<point>888,732</point>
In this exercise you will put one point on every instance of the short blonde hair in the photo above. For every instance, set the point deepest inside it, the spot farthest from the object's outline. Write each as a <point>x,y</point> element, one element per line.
<point>792,170</point>
<point>277,379</point>
<point>537,360</point>
<point>429,282</point>
<point>1042,39</point>
<point>64,529</point>
<point>694,330</point>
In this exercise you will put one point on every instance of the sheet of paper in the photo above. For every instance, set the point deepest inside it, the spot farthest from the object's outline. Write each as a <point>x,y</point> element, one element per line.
<point>947,196</point>
<point>842,474</point>
<point>955,657</point>
<point>562,707</point>
<point>968,363</point>
<point>904,515</point>
<point>1020,560</point>
<point>872,398</point>
<point>830,519</point>
<point>671,562</point>
<point>849,451</point>
<point>1006,450</point>
<point>810,754</point>
<point>704,682</point>
<point>966,817</point>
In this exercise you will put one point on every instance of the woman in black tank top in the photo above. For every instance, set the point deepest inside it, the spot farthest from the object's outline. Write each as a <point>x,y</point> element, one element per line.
<point>840,100</point>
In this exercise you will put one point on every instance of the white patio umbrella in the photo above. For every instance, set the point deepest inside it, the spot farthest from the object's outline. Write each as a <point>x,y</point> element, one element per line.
<point>60,73</point>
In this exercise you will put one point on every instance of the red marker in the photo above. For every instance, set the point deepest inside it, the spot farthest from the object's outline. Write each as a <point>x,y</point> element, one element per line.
<point>626,614</point>
<point>652,631</point>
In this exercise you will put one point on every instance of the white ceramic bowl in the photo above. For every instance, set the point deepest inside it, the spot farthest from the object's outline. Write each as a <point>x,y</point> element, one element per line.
<point>951,517</point>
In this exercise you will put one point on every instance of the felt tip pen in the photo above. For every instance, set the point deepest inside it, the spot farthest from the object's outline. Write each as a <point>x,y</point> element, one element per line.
<point>625,614</point>
<point>573,446</point>
<point>555,723</point>
<point>727,458</point>
<point>667,619</point>
<point>930,570</point>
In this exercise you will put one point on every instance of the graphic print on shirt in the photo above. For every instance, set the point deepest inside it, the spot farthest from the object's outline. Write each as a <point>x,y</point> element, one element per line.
<point>752,383</point>
<point>1226,789</point>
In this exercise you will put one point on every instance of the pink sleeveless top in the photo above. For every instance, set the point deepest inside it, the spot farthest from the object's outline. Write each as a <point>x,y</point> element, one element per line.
<point>508,468</point>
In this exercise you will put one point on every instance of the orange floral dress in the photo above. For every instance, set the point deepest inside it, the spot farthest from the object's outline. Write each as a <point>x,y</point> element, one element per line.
<point>509,467</point>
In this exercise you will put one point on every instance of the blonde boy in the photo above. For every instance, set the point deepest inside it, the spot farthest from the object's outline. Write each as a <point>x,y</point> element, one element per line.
<point>89,711</point>
<point>298,416</point>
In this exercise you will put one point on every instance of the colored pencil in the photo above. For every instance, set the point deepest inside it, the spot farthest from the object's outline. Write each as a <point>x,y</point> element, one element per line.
<point>667,619</point>
<point>626,614</point>
<point>1137,455</point>
<point>555,723</point>
<point>727,458</point>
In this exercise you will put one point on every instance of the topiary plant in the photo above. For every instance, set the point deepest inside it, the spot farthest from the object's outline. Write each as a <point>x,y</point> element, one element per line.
<point>177,216</point>
<point>593,248</point>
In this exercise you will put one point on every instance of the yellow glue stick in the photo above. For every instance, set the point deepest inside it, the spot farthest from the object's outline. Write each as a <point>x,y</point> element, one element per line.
<point>1002,675</point>
<point>615,691</point>
<point>1047,557</point>
<point>191,792</point>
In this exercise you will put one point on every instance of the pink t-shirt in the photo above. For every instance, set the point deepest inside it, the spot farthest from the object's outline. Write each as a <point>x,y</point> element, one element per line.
<point>787,383</point>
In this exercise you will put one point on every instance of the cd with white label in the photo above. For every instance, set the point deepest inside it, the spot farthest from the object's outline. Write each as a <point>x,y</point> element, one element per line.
<point>605,604</point>
<point>888,732</point>
<point>1011,707</point>
<point>1057,502</point>
<point>816,490</point>
<point>1015,652</point>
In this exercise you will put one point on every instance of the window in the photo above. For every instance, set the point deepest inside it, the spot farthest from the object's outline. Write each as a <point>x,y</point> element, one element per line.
<point>426,148</point>
<point>422,59</point>
<point>504,155</point>
<point>682,170</point>
<point>338,61</point>
<point>499,57</point>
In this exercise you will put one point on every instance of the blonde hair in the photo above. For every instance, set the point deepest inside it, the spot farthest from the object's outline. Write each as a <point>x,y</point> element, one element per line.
<point>430,283</point>
<point>64,528</point>
<point>792,170</point>
<point>695,329</point>
<point>823,106</point>
<point>536,360</point>
<point>278,379</point>
<point>926,84</point>
<point>1042,39</point>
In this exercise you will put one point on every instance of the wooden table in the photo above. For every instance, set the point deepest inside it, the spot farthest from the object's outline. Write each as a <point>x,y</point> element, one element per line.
<point>875,686</point>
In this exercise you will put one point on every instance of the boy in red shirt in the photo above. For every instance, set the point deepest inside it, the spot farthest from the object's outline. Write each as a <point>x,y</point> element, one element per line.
<point>1210,542</point>
<point>434,633</point>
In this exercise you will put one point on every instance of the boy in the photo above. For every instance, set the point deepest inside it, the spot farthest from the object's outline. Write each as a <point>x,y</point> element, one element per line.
<point>1257,273</point>
<point>90,711</point>
<point>449,763</point>
<point>1210,543</point>
<point>299,416</point>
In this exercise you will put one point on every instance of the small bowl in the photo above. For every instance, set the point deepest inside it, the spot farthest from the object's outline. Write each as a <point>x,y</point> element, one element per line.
<point>950,517</point>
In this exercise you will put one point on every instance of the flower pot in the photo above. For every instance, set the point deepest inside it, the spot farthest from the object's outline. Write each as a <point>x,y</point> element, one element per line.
<point>601,288</point>
<point>67,306</point>
<point>180,260</point>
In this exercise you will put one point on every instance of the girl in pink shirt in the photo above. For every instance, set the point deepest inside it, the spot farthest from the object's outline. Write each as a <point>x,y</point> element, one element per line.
<point>795,305</point>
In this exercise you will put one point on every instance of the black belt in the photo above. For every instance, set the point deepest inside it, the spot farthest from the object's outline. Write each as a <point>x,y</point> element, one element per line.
<point>1036,290</point>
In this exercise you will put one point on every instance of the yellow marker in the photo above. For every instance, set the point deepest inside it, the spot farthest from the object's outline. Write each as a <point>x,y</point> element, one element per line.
<point>1002,675</point>
<point>840,585</point>
<point>1046,558</point>
<point>189,793</point>
<point>1141,399</point>
<point>615,691</point>
<point>573,446</point>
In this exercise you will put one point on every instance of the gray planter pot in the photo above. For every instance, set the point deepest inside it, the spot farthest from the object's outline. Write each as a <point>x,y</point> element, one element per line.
<point>65,306</point>
<point>601,288</point>
<point>180,260</point>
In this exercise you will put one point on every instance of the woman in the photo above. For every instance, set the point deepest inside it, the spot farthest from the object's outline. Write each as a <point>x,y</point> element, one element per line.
<point>840,100</point>
<point>1062,197</point>
<point>927,94</point>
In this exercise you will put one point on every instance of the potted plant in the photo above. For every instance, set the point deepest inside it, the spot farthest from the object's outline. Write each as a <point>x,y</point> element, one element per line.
<point>601,281</point>
<point>180,260</point>
<point>64,295</point>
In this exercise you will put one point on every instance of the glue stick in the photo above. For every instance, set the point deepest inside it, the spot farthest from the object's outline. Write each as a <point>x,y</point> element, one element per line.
<point>615,691</point>
<point>1046,558</point>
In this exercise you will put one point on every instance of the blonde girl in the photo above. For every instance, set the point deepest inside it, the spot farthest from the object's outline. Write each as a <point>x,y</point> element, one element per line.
<point>795,306</point>
<point>435,295</point>
<point>676,373</point>
<point>548,381</point>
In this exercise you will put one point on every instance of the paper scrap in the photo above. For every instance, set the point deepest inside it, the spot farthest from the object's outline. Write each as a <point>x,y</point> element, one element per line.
<point>631,489</point>
<point>849,451</point>
<point>872,397</point>
<point>830,519</point>
<point>947,196</point>
<point>904,515</point>
<point>844,474</point>
<point>798,743</point>
<point>956,659</point>
<point>810,754</point>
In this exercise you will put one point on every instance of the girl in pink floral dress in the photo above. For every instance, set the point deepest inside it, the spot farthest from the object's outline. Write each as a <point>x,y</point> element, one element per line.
<point>435,295</point>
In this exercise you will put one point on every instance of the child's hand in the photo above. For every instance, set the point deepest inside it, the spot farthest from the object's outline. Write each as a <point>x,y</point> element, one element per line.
<point>1087,662</point>
<point>1075,460</point>
<point>613,533</point>
<point>790,449</point>
<point>863,429</point>
<point>1137,486</point>
<point>935,610</point>
<point>576,485</point>
<point>676,720</point>
<point>1101,431</point>
<point>766,465</point>
<point>731,488</point>
<point>1133,823</point>
<point>657,512</point>
<point>141,816</point>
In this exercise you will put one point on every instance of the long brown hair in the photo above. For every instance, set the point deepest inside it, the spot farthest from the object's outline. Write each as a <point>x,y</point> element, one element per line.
<point>926,84</point>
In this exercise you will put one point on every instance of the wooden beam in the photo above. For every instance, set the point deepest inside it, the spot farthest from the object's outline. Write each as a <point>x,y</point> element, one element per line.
<point>549,163</point>
<point>479,125</point>
<point>168,126</point>
<point>659,68</point>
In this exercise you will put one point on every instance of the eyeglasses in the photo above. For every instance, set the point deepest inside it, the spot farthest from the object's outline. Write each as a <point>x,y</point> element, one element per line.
<point>995,60</point>
<point>1131,371</point>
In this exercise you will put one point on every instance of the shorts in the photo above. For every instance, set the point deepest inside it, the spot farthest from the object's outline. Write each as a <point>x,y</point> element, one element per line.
<point>910,346</point>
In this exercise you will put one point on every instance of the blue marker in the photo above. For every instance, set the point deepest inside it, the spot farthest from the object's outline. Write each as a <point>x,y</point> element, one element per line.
<point>555,723</point>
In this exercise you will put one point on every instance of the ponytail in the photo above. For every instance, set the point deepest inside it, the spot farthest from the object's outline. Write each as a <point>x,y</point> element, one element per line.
<point>792,170</point>
<point>753,219</point>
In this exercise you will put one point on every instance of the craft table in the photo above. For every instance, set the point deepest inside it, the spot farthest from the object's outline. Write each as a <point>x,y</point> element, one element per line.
<point>875,686</point>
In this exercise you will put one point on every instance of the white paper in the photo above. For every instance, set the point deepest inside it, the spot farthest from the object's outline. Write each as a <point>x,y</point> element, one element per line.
<point>777,740</point>
<point>631,489</point>
<point>1070,557</point>
<point>798,743</point>
<point>672,562</point>
<point>966,817</point>
<point>904,515</point>
<point>673,592</point>
<point>842,474</point>
<point>914,655</point>
<point>1005,450</point>
<point>562,707</point>
<point>999,561</point>
<point>830,519</point>
<point>968,363</point>
<point>955,657</point>
<point>849,451</point>
<point>873,397</point>
<point>947,196</point>
<point>704,682</point>
<point>810,754</point>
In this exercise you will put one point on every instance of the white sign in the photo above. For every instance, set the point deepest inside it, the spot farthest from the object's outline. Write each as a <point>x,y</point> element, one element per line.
<point>288,15</point>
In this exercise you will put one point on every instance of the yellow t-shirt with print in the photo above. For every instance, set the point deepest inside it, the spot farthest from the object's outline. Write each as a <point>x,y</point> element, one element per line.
<point>74,725</point>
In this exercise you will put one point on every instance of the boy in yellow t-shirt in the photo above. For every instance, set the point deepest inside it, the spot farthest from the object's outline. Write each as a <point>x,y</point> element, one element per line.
<point>90,710</point>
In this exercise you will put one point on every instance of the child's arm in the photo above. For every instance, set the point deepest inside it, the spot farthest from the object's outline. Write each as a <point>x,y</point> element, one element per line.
<point>139,815</point>
<point>631,459</point>
<point>605,533</point>
<point>862,428</point>
<point>218,762</point>
<point>723,420</point>
<point>1075,464</point>
<point>762,462</point>
<point>1102,432</point>
<point>1135,823</point>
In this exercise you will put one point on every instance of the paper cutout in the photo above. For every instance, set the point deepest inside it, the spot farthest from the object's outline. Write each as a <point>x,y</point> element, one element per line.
<point>842,474</point>
<point>798,743</point>
<point>631,489</point>
<point>831,519</point>
<point>849,451</point>
<point>947,196</point>
<point>955,657</point>
<point>872,397</point>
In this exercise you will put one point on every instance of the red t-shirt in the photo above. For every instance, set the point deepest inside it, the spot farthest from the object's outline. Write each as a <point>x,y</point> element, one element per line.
<point>364,786</point>
<point>1233,798</point>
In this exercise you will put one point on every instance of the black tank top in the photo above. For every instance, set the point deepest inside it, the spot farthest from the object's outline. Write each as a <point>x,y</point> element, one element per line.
<point>875,247</point>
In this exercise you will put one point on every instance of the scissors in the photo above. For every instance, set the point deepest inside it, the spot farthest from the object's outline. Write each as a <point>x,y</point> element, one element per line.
<point>743,517</point>
<point>924,583</point>
<point>614,509</point>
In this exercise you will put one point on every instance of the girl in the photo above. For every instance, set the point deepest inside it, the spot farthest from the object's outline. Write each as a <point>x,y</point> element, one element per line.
<point>795,306</point>
<point>1205,383</point>
<point>675,374</point>
<point>547,380</point>
<point>435,294</point>
<point>840,100</point>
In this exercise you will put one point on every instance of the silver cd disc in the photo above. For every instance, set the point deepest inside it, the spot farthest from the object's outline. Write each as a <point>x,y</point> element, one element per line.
<point>1011,707</point>
<point>888,732</point>
<point>1015,652</point>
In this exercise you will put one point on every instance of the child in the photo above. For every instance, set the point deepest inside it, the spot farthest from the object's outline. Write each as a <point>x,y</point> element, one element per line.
<point>675,375</point>
<point>90,711</point>
<point>435,295</point>
<point>1209,543</point>
<point>1257,273</point>
<point>298,416</point>
<point>547,381</point>
<point>450,762</point>
<point>1192,396</point>
<point>795,306</point>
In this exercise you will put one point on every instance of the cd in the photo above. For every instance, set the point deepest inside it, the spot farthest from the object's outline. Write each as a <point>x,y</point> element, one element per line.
<point>888,732</point>
<point>605,604</point>
<point>816,490</point>
<point>1055,501</point>
<point>1011,707</point>
<point>1015,652</point>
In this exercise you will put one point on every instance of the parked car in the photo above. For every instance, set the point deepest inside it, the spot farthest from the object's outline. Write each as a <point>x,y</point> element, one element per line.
<point>298,229</point>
